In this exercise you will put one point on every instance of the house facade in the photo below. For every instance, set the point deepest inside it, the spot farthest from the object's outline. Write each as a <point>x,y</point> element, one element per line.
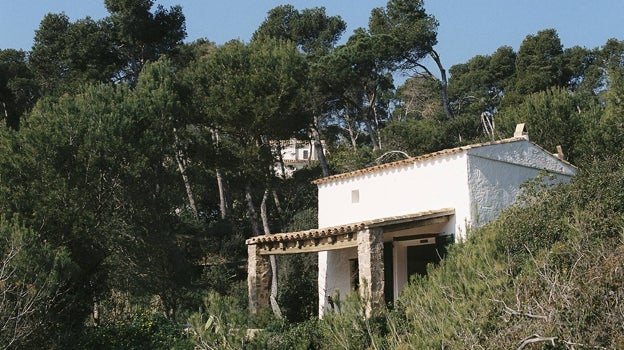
<point>294,155</point>
<point>380,225</point>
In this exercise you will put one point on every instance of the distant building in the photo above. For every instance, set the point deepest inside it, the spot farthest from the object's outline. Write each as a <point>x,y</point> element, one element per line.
<point>380,225</point>
<point>295,155</point>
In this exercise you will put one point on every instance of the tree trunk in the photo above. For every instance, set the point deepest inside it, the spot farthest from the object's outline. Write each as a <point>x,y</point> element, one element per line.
<point>96,312</point>
<point>373,111</point>
<point>280,158</point>
<point>222,194</point>
<point>223,207</point>
<point>318,145</point>
<point>179,156</point>
<point>6,114</point>
<point>371,132</point>
<point>443,84</point>
<point>272,259</point>
<point>253,214</point>
<point>350,130</point>
<point>187,186</point>
<point>278,204</point>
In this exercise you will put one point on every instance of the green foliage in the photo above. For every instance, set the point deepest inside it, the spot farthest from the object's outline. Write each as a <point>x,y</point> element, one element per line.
<point>222,324</point>
<point>348,327</point>
<point>33,280</point>
<point>90,172</point>
<point>66,55</point>
<point>311,29</point>
<point>17,87</point>
<point>552,118</point>
<point>343,159</point>
<point>478,86</point>
<point>417,136</point>
<point>304,335</point>
<point>539,63</point>
<point>612,125</point>
<point>547,271</point>
<point>411,33</point>
<point>143,331</point>
<point>298,294</point>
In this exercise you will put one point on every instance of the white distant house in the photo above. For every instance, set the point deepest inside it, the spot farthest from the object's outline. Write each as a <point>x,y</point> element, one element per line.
<point>294,155</point>
<point>380,225</point>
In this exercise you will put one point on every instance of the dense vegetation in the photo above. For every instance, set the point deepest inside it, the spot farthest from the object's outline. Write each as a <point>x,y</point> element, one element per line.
<point>134,166</point>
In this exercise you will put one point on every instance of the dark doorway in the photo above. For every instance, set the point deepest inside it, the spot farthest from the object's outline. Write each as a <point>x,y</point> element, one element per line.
<point>419,256</point>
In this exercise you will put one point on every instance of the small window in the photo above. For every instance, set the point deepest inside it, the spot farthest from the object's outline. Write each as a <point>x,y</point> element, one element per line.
<point>355,196</point>
<point>306,154</point>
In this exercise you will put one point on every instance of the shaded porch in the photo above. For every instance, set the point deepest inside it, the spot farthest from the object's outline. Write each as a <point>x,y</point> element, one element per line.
<point>374,257</point>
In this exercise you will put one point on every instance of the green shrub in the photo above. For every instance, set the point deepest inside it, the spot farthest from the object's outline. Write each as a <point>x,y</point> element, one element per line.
<point>547,272</point>
<point>222,325</point>
<point>33,281</point>
<point>144,331</point>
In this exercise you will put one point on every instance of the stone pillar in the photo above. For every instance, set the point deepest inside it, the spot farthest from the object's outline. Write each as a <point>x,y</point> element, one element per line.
<point>258,268</point>
<point>371,268</point>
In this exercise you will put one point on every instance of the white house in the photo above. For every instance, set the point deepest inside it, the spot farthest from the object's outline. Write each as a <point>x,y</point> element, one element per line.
<point>379,225</point>
<point>294,155</point>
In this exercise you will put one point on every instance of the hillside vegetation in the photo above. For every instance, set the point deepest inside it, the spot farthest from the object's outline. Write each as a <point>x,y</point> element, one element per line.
<point>546,274</point>
<point>133,167</point>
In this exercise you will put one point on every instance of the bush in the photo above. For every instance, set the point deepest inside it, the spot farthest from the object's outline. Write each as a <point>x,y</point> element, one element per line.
<point>547,272</point>
<point>144,331</point>
<point>33,278</point>
<point>222,325</point>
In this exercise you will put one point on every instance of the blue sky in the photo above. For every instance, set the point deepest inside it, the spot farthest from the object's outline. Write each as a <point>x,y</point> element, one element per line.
<point>467,28</point>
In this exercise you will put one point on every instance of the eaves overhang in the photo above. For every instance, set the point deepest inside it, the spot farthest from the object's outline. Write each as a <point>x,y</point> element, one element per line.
<point>339,237</point>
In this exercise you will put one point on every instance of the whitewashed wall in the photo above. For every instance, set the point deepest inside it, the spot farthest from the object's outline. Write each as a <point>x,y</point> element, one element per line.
<point>496,174</point>
<point>336,279</point>
<point>478,183</point>
<point>436,183</point>
<point>432,184</point>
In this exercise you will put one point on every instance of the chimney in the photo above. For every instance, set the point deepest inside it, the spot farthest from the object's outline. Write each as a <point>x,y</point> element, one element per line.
<point>559,153</point>
<point>521,131</point>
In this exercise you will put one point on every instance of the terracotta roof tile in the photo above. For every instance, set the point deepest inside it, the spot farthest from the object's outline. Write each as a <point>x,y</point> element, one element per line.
<point>349,228</point>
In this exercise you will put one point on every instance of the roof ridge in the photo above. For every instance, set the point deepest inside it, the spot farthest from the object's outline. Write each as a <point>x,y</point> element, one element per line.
<point>415,159</point>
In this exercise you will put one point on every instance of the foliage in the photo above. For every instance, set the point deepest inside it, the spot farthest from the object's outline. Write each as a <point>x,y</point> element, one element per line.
<point>143,159</point>
<point>222,325</point>
<point>18,90</point>
<point>526,277</point>
<point>33,280</point>
<point>311,29</point>
<point>553,120</point>
<point>479,85</point>
<point>66,55</point>
<point>539,63</point>
<point>304,335</point>
<point>611,123</point>
<point>89,172</point>
<point>409,30</point>
<point>417,136</point>
<point>298,296</point>
<point>144,330</point>
<point>348,327</point>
